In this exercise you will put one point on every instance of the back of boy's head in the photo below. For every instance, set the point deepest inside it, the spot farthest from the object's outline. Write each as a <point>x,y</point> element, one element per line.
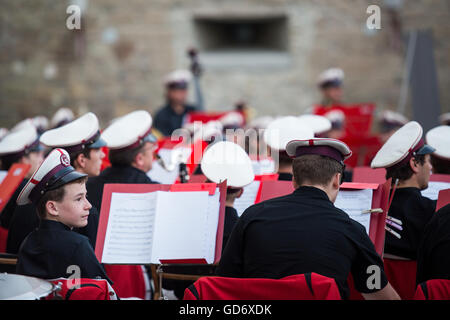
<point>54,195</point>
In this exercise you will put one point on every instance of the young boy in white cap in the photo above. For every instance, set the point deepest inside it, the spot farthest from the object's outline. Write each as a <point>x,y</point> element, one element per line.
<point>304,232</point>
<point>277,135</point>
<point>439,139</point>
<point>21,146</point>
<point>53,250</point>
<point>82,140</point>
<point>131,147</point>
<point>407,161</point>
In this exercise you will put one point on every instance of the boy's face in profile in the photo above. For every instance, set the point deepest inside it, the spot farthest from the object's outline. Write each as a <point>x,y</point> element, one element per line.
<point>73,209</point>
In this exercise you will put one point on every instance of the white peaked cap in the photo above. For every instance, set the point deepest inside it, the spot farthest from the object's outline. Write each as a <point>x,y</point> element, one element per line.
<point>260,122</point>
<point>18,141</point>
<point>395,117</point>
<point>444,118</point>
<point>401,146</point>
<point>84,130</point>
<point>63,114</point>
<point>331,148</point>
<point>282,130</point>
<point>335,116</point>
<point>332,74</point>
<point>206,131</point>
<point>53,173</point>
<point>232,119</point>
<point>439,139</point>
<point>129,130</point>
<point>23,125</point>
<point>226,160</point>
<point>319,124</point>
<point>180,75</point>
<point>3,133</point>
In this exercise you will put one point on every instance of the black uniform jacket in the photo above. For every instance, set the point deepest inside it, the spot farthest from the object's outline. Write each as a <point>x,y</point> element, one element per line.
<point>285,176</point>
<point>433,257</point>
<point>25,220</point>
<point>415,211</point>
<point>48,251</point>
<point>166,120</point>
<point>8,211</point>
<point>231,217</point>
<point>114,174</point>
<point>300,233</point>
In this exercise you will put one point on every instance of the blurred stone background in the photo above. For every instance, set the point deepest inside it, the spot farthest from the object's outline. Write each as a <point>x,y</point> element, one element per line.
<point>117,61</point>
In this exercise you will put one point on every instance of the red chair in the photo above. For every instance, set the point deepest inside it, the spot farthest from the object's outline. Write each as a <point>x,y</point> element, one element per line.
<point>82,289</point>
<point>128,280</point>
<point>310,286</point>
<point>401,275</point>
<point>436,289</point>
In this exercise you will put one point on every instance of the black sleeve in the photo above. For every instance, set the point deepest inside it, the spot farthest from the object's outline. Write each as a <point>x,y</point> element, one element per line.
<point>232,261</point>
<point>367,268</point>
<point>87,261</point>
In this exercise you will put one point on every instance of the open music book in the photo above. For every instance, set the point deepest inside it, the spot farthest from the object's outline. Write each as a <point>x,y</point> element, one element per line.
<point>150,227</point>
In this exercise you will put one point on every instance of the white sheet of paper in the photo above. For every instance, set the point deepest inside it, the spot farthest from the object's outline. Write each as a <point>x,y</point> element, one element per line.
<point>247,198</point>
<point>265,166</point>
<point>211,226</point>
<point>130,228</point>
<point>3,174</point>
<point>354,202</point>
<point>432,192</point>
<point>180,225</point>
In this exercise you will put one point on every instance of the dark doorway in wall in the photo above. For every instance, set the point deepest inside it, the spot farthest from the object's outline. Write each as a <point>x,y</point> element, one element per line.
<point>260,33</point>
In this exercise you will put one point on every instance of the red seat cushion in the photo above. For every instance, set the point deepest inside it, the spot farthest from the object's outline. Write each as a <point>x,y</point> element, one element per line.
<point>402,276</point>
<point>309,286</point>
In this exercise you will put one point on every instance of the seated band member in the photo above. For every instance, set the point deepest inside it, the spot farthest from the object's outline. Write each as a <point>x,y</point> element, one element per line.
<point>21,146</point>
<point>304,232</point>
<point>439,139</point>
<point>330,84</point>
<point>226,160</point>
<point>407,161</point>
<point>54,250</point>
<point>131,147</point>
<point>171,116</point>
<point>81,139</point>
<point>278,133</point>
<point>433,260</point>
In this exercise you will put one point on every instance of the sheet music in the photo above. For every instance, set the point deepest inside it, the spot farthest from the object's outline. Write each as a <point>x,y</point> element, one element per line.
<point>3,174</point>
<point>432,192</point>
<point>354,203</point>
<point>264,166</point>
<point>247,198</point>
<point>129,232</point>
<point>180,225</point>
<point>212,222</point>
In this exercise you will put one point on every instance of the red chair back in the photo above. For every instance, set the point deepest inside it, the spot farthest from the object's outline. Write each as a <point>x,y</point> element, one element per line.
<point>128,280</point>
<point>436,289</point>
<point>310,286</point>
<point>402,276</point>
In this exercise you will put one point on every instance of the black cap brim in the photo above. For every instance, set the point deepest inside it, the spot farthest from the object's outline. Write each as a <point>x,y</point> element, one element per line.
<point>426,149</point>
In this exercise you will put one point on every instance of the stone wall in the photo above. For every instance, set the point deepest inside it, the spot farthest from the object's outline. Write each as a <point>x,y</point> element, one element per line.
<point>117,61</point>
